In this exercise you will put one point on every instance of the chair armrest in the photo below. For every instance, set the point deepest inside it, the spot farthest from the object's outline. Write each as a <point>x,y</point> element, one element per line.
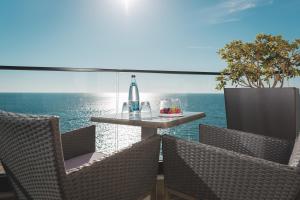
<point>259,146</point>
<point>128,174</point>
<point>209,172</point>
<point>79,142</point>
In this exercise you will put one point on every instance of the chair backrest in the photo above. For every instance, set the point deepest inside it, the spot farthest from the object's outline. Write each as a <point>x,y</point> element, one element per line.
<point>30,151</point>
<point>295,156</point>
<point>273,112</point>
<point>260,146</point>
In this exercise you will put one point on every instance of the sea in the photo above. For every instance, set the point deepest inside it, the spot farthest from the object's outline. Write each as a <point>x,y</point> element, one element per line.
<point>76,109</point>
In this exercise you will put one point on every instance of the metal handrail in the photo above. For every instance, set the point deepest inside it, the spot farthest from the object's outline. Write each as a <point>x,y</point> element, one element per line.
<point>81,69</point>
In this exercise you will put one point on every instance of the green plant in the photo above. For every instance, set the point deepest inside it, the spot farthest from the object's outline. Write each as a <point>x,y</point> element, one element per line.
<point>266,62</point>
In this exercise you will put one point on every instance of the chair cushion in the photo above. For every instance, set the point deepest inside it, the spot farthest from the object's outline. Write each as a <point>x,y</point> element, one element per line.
<point>295,157</point>
<point>82,160</point>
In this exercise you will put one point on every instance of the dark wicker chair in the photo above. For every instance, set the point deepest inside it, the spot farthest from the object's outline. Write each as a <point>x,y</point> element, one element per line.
<point>31,153</point>
<point>231,165</point>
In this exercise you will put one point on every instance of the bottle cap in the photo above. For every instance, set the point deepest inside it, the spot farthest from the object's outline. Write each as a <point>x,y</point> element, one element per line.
<point>132,76</point>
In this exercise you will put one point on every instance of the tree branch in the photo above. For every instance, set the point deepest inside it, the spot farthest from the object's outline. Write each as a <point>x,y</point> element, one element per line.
<point>282,81</point>
<point>245,83</point>
<point>274,83</point>
<point>268,82</point>
<point>261,83</point>
<point>249,83</point>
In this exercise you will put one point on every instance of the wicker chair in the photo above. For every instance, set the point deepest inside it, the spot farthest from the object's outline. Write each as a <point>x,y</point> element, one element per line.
<point>231,165</point>
<point>31,153</point>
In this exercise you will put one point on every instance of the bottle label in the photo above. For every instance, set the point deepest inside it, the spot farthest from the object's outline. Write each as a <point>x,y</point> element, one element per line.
<point>134,106</point>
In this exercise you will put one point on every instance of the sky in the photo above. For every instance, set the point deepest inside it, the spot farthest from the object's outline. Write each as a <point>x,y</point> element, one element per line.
<point>134,34</point>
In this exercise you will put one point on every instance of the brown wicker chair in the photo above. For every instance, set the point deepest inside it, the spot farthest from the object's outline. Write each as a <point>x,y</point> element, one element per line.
<point>31,153</point>
<point>231,165</point>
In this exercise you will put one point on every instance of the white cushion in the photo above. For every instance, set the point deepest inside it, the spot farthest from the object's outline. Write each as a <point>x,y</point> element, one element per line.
<point>295,157</point>
<point>82,160</point>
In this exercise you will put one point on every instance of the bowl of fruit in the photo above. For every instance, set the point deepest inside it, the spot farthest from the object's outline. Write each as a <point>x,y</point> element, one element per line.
<point>170,108</point>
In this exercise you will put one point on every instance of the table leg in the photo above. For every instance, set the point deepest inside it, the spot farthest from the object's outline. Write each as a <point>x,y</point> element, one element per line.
<point>147,132</point>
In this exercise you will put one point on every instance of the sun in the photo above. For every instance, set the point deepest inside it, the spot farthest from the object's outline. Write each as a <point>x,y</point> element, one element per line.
<point>127,5</point>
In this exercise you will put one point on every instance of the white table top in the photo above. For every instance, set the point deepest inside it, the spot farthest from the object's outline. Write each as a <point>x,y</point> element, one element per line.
<point>154,122</point>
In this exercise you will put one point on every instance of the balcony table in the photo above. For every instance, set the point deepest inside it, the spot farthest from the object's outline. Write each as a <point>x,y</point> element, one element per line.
<point>149,125</point>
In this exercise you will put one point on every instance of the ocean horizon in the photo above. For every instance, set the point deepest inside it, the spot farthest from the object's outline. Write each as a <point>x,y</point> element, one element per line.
<point>76,109</point>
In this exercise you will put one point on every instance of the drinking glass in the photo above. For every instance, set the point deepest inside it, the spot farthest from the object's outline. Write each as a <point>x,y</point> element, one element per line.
<point>146,109</point>
<point>125,109</point>
<point>176,106</point>
<point>165,105</point>
<point>170,107</point>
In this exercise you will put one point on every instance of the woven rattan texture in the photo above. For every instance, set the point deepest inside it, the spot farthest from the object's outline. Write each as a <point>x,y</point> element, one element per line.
<point>211,173</point>
<point>78,142</point>
<point>31,148</point>
<point>259,146</point>
<point>28,149</point>
<point>126,175</point>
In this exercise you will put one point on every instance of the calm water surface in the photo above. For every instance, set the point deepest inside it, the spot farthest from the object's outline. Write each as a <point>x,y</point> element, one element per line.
<point>75,111</point>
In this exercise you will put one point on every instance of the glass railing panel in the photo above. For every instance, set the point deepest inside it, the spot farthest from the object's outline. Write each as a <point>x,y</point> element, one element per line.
<point>72,96</point>
<point>77,96</point>
<point>196,93</point>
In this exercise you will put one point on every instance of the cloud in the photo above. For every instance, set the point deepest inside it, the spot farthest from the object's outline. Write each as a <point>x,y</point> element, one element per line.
<point>233,6</point>
<point>227,11</point>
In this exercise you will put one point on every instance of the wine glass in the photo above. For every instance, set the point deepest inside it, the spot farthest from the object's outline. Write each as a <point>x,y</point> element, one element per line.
<point>146,109</point>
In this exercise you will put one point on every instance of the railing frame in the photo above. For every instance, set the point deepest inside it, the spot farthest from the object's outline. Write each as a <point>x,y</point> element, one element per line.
<point>82,69</point>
